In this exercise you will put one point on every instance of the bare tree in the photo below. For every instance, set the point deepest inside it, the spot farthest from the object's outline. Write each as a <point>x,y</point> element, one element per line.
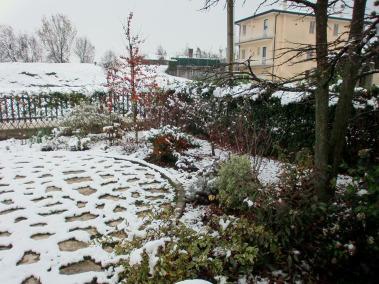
<point>109,59</point>
<point>29,48</point>
<point>161,53</point>
<point>84,50</point>
<point>22,47</point>
<point>8,46</point>
<point>57,35</point>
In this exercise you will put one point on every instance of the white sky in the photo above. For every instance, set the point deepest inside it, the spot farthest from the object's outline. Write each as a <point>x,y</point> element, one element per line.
<point>174,24</point>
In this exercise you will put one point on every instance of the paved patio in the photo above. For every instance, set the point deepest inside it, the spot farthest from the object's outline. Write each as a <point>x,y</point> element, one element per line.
<point>54,205</point>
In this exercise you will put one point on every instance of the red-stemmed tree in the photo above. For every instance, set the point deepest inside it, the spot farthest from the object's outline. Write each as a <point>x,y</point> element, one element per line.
<point>131,76</point>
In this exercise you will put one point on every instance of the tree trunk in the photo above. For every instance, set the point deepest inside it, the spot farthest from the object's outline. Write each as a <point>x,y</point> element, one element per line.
<point>350,73</point>
<point>321,180</point>
<point>230,28</point>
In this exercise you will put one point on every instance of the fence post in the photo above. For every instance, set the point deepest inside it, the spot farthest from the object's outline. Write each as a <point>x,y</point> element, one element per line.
<point>1,110</point>
<point>29,108</point>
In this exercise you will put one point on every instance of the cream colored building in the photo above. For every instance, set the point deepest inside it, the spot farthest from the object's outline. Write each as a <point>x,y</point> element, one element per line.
<point>265,36</point>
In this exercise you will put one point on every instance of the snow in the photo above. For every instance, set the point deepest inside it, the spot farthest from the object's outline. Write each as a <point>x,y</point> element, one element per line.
<point>288,97</point>
<point>21,158</point>
<point>37,78</point>
<point>224,224</point>
<point>248,90</point>
<point>362,192</point>
<point>195,281</point>
<point>44,78</point>
<point>35,188</point>
<point>151,248</point>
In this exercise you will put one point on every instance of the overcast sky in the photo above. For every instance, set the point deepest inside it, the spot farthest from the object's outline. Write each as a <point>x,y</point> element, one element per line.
<point>174,24</point>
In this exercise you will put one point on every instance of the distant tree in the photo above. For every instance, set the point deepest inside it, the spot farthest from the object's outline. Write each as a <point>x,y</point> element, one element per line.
<point>29,48</point>
<point>18,48</point>
<point>8,46</point>
<point>198,53</point>
<point>161,53</point>
<point>57,35</point>
<point>84,50</point>
<point>109,59</point>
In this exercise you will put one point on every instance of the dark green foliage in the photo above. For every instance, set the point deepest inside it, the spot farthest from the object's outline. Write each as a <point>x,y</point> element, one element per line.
<point>239,248</point>
<point>338,241</point>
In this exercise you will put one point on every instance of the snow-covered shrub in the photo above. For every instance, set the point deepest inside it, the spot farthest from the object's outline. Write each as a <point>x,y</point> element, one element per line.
<point>204,187</point>
<point>87,118</point>
<point>113,132</point>
<point>232,249</point>
<point>166,142</point>
<point>236,183</point>
<point>62,131</point>
<point>186,163</point>
<point>77,144</point>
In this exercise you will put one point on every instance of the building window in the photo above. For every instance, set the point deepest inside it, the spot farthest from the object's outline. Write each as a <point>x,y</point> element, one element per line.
<point>264,52</point>
<point>244,30</point>
<point>243,54</point>
<point>335,30</point>
<point>312,26</point>
<point>265,25</point>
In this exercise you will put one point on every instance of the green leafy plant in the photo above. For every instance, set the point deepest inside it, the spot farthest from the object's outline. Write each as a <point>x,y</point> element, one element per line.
<point>236,183</point>
<point>235,248</point>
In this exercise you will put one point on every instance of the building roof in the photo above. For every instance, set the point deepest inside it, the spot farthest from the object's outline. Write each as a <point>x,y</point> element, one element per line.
<point>286,12</point>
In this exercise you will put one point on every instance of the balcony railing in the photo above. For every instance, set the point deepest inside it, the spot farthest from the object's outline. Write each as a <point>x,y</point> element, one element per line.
<point>255,37</point>
<point>258,62</point>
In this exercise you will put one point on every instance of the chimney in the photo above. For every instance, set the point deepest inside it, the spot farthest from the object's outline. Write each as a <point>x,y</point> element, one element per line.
<point>190,52</point>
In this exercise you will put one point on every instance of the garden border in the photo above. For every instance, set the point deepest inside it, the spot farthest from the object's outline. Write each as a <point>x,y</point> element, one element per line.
<point>180,194</point>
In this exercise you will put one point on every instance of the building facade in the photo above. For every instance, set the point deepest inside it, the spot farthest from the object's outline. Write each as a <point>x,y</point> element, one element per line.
<point>265,37</point>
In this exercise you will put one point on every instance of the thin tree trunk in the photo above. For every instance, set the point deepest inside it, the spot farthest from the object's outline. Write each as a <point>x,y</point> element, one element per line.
<point>350,73</point>
<point>230,28</point>
<point>322,100</point>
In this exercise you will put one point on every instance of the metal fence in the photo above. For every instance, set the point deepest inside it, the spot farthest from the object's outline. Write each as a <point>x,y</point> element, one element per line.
<point>23,111</point>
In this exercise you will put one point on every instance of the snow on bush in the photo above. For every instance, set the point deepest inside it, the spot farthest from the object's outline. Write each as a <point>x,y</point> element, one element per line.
<point>168,142</point>
<point>87,118</point>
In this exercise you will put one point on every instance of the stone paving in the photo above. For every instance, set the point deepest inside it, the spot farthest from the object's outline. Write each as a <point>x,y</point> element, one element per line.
<point>53,205</point>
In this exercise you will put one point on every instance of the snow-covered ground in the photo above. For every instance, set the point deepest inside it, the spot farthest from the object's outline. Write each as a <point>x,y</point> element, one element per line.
<point>37,78</point>
<point>52,204</point>
<point>45,78</point>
